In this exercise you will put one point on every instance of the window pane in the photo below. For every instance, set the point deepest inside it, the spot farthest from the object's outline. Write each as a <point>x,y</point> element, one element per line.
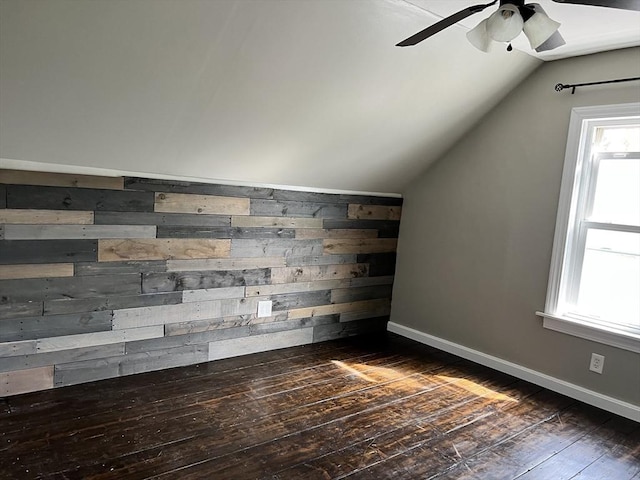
<point>617,193</point>
<point>610,280</point>
<point>618,139</point>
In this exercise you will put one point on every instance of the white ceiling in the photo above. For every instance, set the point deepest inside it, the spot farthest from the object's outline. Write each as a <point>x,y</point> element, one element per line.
<point>301,93</point>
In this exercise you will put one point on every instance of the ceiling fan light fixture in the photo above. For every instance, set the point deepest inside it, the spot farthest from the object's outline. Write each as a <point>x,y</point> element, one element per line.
<point>539,28</point>
<point>505,24</point>
<point>479,37</point>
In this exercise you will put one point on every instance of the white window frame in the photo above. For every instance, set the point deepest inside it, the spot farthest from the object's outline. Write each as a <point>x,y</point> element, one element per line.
<point>562,273</point>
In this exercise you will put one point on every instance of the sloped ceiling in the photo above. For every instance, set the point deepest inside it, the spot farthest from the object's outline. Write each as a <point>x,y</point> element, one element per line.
<point>301,93</point>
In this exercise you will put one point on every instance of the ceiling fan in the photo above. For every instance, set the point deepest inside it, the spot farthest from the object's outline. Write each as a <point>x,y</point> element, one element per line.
<point>512,18</point>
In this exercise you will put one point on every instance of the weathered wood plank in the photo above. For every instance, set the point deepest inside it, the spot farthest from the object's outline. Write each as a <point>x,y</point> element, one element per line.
<point>174,341</point>
<point>281,222</point>
<point>51,217</point>
<point>364,245</point>
<point>346,295</point>
<point>161,359</point>
<point>259,343</point>
<point>212,294</point>
<point>320,260</point>
<point>54,344</point>
<point>383,311</point>
<point>23,362</point>
<point>47,251</point>
<point>200,204</point>
<point>66,305</point>
<point>282,288</point>
<point>380,264</point>
<point>362,306</point>
<point>161,249</point>
<point>309,233</point>
<point>275,208</point>
<point>370,281</point>
<point>113,268</point>
<point>3,196</point>
<point>36,270</point>
<point>385,228</point>
<point>322,333</point>
<point>318,272</point>
<point>303,196</point>
<point>146,218</point>
<point>157,185</point>
<point>23,381</point>
<point>275,248</point>
<point>79,372</point>
<point>199,326</point>
<point>59,198</point>
<point>31,328</point>
<point>15,349</point>
<point>224,264</point>
<point>199,280</point>
<point>148,316</point>
<point>56,232</point>
<point>170,231</point>
<point>23,177</point>
<point>300,300</point>
<point>15,310</point>
<point>37,289</point>
<point>373,212</point>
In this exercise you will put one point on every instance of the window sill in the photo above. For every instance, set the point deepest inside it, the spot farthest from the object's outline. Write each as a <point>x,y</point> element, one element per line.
<point>596,333</point>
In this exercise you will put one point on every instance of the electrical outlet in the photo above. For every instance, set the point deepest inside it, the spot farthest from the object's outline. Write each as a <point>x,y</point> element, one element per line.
<point>597,363</point>
<point>264,308</point>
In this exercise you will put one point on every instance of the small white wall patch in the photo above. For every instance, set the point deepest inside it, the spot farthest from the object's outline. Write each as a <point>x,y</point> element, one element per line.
<point>264,308</point>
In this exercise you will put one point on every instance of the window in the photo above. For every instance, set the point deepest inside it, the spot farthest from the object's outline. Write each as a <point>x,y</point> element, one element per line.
<point>594,282</point>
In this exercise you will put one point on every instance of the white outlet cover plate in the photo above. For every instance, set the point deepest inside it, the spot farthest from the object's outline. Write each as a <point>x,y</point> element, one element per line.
<point>264,308</point>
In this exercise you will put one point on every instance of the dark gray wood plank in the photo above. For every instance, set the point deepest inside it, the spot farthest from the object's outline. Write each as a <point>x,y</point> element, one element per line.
<point>31,328</point>
<point>380,264</point>
<point>171,231</point>
<point>16,310</point>
<point>24,362</point>
<point>146,218</point>
<point>301,196</point>
<point>386,228</point>
<point>3,196</point>
<point>63,198</point>
<point>177,281</point>
<point>249,248</point>
<point>114,268</point>
<point>271,327</point>
<point>37,289</point>
<point>301,299</point>
<point>66,305</point>
<point>332,331</point>
<point>145,346</point>
<point>274,208</point>
<point>47,251</point>
<point>156,185</point>
<point>346,295</point>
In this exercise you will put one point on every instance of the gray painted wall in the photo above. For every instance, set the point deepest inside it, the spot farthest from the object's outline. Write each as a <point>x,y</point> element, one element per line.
<point>477,230</point>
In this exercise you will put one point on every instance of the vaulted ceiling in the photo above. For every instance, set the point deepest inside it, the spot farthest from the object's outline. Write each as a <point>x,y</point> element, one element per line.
<point>287,92</point>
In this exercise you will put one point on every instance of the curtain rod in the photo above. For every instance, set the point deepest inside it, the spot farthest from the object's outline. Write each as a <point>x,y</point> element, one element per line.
<point>561,86</point>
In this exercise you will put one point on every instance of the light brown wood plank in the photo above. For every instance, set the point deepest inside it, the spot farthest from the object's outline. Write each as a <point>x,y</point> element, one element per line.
<point>373,212</point>
<point>23,381</point>
<point>279,222</point>
<point>202,204</point>
<point>37,217</point>
<point>36,270</point>
<point>225,264</point>
<point>311,233</point>
<point>161,249</point>
<point>365,245</point>
<point>362,306</point>
<point>23,177</point>
<point>318,272</point>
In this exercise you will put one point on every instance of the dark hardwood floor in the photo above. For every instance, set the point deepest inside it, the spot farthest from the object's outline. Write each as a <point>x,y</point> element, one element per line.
<point>366,408</point>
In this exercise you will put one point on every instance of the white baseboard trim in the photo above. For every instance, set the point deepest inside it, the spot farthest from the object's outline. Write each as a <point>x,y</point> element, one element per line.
<point>596,399</point>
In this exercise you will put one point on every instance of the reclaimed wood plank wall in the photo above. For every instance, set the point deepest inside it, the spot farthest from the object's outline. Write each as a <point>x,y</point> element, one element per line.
<point>102,277</point>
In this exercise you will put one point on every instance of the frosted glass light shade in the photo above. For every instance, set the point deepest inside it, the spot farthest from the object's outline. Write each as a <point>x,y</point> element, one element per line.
<point>539,28</point>
<point>505,24</point>
<point>479,37</point>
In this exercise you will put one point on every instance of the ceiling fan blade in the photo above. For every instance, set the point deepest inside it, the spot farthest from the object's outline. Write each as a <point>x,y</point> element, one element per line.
<point>623,4</point>
<point>442,24</point>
